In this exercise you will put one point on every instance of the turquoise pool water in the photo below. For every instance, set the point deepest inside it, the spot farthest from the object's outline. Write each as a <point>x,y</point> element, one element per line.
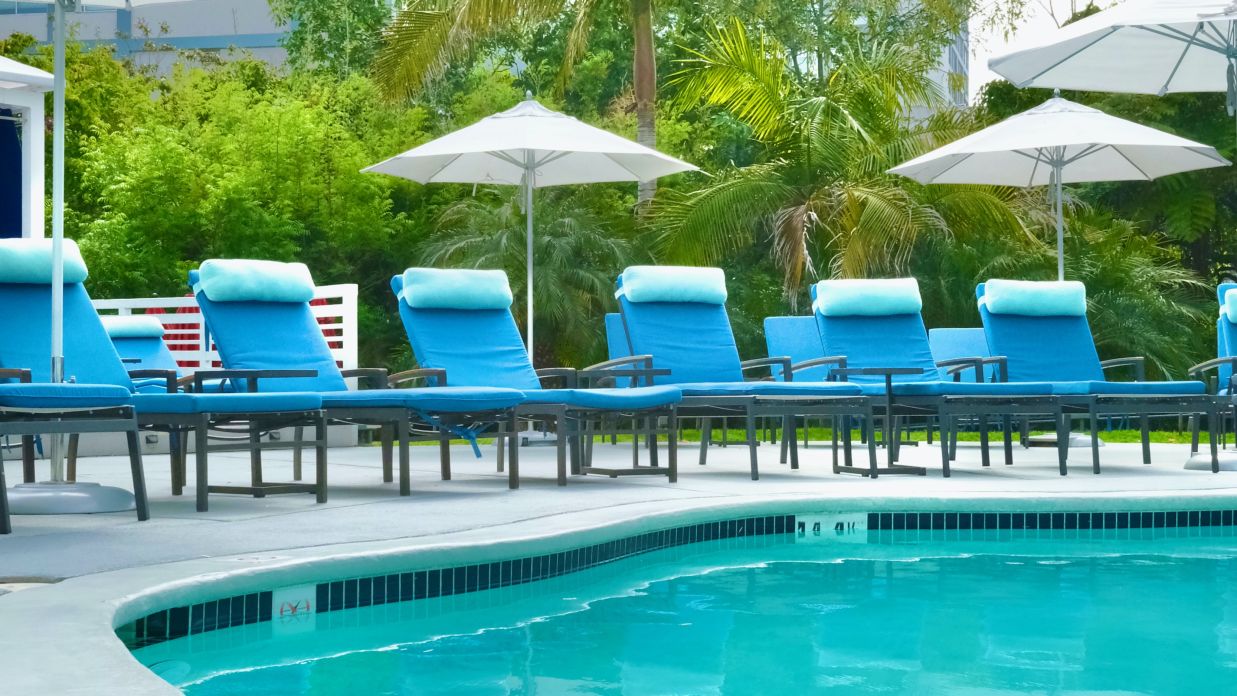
<point>1083,615</point>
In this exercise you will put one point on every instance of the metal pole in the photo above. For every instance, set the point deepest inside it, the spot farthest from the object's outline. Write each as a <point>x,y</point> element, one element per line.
<point>530,176</point>
<point>57,318</point>
<point>1056,176</point>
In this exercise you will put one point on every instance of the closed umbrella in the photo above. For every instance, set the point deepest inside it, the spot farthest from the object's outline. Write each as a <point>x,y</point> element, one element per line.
<point>531,146</point>
<point>1055,143</point>
<point>1139,47</point>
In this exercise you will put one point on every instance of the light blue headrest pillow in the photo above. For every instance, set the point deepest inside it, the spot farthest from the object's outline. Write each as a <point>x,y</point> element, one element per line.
<point>1036,298</point>
<point>867,298</point>
<point>673,284</point>
<point>1229,309</point>
<point>29,261</point>
<point>437,288</point>
<point>132,326</point>
<point>246,280</point>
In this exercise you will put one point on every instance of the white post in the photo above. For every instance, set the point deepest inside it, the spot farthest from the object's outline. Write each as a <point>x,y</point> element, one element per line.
<point>1056,178</point>
<point>57,318</point>
<point>530,182</point>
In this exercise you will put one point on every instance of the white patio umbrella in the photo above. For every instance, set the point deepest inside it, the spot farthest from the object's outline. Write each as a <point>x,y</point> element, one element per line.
<point>63,498</point>
<point>531,146</point>
<point>1139,47</point>
<point>1057,142</point>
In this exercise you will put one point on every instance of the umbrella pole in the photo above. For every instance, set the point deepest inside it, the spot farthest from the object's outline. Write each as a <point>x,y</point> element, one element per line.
<point>530,173</point>
<point>57,318</point>
<point>1057,194</point>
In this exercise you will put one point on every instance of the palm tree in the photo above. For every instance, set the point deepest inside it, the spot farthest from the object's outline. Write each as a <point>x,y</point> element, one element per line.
<point>821,187</point>
<point>427,35</point>
<point>578,256</point>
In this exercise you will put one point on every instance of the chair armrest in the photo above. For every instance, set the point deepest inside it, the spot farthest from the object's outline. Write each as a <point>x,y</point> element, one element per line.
<point>169,376</point>
<point>607,377</point>
<point>956,366</point>
<point>887,372</point>
<point>131,361</point>
<point>839,360</point>
<point>375,377</point>
<point>647,360</point>
<point>770,362</point>
<point>1139,364</point>
<point>436,373</point>
<point>567,374</point>
<point>19,374</point>
<point>250,377</point>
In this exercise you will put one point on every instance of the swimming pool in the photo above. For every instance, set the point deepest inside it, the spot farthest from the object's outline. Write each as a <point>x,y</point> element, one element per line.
<point>841,608</point>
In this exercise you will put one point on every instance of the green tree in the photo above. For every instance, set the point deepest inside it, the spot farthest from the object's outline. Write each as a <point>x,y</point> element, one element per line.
<point>340,36</point>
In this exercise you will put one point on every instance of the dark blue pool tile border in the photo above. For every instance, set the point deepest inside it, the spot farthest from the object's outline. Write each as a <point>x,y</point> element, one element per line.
<point>949,521</point>
<point>350,593</point>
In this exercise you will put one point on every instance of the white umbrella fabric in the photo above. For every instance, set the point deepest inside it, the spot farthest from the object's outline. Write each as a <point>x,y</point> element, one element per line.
<point>1060,142</point>
<point>1140,47</point>
<point>531,146</point>
<point>67,499</point>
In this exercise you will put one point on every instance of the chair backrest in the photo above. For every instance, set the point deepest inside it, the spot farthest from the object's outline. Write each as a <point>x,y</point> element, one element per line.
<point>138,340</point>
<point>677,314</point>
<point>1041,328</point>
<point>616,343</point>
<point>951,343</point>
<point>1226,331</point>
<point>874,323</point>
<point>258,314</point>
<point>25,297</point>
<point>460,321</point>
<point>797,339</point>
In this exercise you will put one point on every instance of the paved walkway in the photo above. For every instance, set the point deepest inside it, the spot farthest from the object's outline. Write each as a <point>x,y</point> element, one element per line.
<point>362,508</point>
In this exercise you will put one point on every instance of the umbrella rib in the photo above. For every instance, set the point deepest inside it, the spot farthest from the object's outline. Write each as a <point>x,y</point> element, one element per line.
<point>1086,151</point>
<point>1177,35</point>
<point>1180,59</point>
<point>1127,159</point>
<point>1041,73</point>
<point>1207,152</point>
<point>624,167</point>
<point>946,170</point>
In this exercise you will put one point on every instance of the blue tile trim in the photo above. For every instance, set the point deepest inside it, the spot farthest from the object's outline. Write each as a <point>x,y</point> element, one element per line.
<point>375,590</point>
<point>1141,519</point>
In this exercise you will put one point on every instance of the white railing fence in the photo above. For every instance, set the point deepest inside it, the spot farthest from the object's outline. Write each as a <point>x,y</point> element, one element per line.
<point>335,307</point>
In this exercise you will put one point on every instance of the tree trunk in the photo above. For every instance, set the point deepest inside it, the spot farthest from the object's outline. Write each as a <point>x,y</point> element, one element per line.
<point>645,84</point>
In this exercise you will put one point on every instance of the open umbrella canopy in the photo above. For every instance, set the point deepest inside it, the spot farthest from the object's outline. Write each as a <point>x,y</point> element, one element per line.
<point>1139,46</point>
<point>1087,143</point>
<point>498,150</point>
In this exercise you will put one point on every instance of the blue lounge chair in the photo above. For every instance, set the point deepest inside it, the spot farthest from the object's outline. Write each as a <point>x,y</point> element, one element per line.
<point>878,326</point>
<point>677,315</point>
<point>797,339</point>
<point>1041,330</point>
<point>952,343</point>
<point>91,359</point>
<point>459,323</point>
<point>255,329</point>
<point>138,339</point>
<point>28,409</point>
<point>1226,357</point>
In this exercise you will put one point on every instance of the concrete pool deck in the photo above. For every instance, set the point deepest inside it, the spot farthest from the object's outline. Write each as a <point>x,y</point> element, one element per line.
<point>58,638</point>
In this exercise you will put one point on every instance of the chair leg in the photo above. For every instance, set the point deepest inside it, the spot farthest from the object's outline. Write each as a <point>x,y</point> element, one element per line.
<point>1007,427</point>
<point>787,430</point>
<point>27,459</point>
<point>6,523</point>
<point>405,474</point>
<point>789,436</point>
<point>513,458</point>
<point>501,445</point>
<point>984,457</point>
<point>71,458</point>
<point>833,437</point>
<point>298,436</point>
<point>652,440</point>
<point>200,463</point>
<point>177,446</point>
<point>388,436</point>
<point>672,449</point>
<point>946,425</point>
<point>444,453</point>
<point>1144,423</point>
<point>706,436</point>
<point>1095,442</point>
<point>560,446</point>
<point>139,476</point>
<point>869,429</point>
<point>1213,436</point>
<point>255,460</point>
<point>750,423</point>
<point>320,457</point>
<point>1193,421</point>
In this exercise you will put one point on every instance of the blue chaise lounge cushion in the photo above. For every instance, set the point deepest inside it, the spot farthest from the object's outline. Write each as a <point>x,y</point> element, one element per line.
<point>29,262</point>
<point>800,389</point>
<point>607,399</point>
<point>430,399</point>
<point>248,280</point>
<point>62,396</point>
<point>226,403</point>
<point>436,288</point>
<point>132,326</point>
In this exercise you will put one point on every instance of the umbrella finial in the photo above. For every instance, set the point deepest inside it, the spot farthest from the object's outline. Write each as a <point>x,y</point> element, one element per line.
<point>1056,93</point>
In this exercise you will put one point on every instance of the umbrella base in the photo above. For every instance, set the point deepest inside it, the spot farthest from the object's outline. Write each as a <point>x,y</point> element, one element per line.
<point>1202,460</point>
<point>52,498</point>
